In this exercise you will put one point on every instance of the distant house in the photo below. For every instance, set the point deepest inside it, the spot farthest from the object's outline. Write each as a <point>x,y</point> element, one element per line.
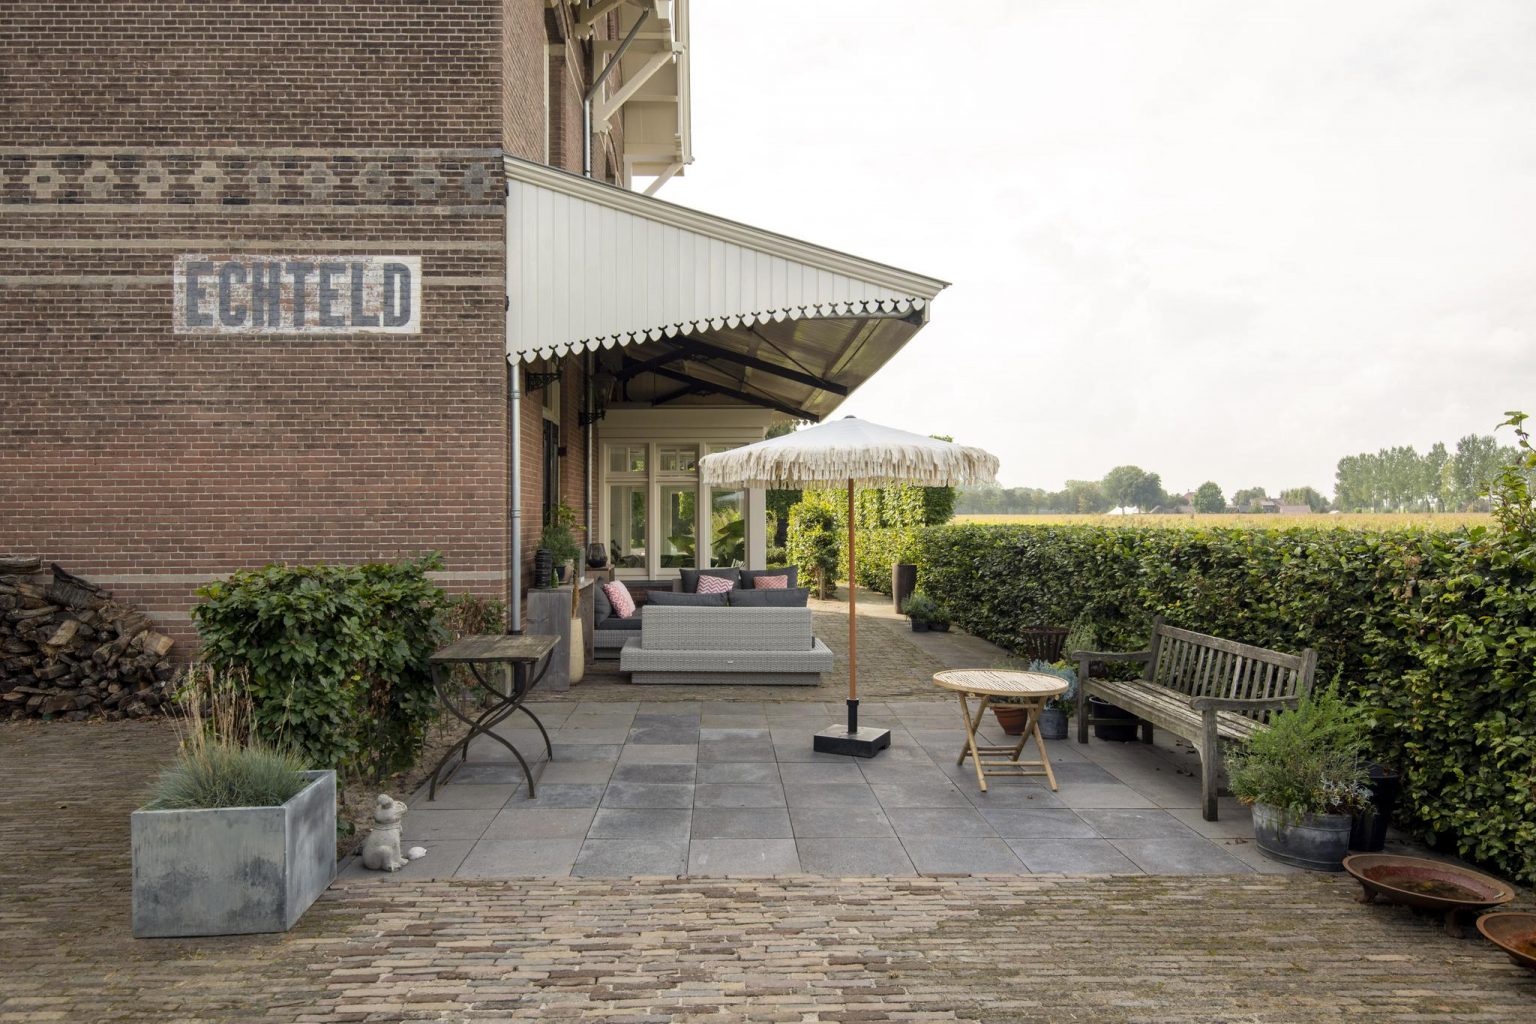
<point>1264,505</point>
<point>1294,510</point>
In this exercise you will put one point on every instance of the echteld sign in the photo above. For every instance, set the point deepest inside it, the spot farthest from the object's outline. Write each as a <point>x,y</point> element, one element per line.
<point>244,294</point>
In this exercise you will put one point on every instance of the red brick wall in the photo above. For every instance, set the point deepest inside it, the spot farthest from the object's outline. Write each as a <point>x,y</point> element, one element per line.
<point>131,132</point>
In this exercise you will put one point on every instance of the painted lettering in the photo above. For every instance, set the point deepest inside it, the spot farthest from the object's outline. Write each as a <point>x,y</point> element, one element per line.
<point>194,294</point>
<point>397,294</point>
<point>300,272</point>
<point>359,317</point>
<point>230,275</point>
<point>325,308</point>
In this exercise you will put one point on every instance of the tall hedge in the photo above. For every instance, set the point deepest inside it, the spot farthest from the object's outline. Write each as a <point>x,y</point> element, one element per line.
<point>334,657</point>
<point>1434,631</point>
<point>888,520</point>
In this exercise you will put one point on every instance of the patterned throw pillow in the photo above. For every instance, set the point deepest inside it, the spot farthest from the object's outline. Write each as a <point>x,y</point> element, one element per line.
<point>714,585</point>
<point>771,583</point>
<point>619,597</point>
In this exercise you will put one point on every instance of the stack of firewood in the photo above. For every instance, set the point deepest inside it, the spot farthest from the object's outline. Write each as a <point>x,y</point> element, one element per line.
<point>67,650</point>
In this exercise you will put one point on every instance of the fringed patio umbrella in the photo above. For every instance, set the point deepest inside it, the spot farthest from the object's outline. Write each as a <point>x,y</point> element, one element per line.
<point>857,454</point>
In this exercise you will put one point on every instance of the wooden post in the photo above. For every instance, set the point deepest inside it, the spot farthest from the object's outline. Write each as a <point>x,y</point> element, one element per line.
<point>853,622</point>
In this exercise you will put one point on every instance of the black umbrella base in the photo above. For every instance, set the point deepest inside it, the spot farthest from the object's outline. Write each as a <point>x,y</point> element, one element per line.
<point>863,742</point>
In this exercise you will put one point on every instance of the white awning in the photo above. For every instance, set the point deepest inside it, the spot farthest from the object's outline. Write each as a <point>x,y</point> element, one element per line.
<point>592,266</point>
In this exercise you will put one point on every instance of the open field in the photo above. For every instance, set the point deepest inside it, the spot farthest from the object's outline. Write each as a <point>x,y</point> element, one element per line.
<point>1359,521</point>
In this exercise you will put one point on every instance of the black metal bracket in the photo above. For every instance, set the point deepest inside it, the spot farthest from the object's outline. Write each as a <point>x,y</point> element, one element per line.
<point>535,380</point>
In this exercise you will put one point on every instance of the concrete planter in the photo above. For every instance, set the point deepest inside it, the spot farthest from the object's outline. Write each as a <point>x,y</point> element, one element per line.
<point>1317,842</point>
<point>233,870</point>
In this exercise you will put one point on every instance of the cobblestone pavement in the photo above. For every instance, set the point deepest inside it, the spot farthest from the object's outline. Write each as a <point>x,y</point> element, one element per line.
<point>1258,949</point>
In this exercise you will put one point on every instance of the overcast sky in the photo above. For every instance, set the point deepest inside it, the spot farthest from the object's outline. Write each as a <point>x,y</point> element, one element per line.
<point>1222,240</point>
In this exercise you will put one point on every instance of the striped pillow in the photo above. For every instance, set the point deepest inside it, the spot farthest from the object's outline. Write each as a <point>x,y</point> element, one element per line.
<point>714,585</point>
<point>771,582</point>
<point>619,597</point>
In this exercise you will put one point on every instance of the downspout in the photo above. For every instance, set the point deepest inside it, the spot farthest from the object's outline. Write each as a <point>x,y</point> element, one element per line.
<point>515,445</point>
<point>591,404</point>
<point>597,83</point>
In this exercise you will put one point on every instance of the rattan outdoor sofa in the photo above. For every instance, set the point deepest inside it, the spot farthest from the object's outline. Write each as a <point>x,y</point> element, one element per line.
<point>763,646</point>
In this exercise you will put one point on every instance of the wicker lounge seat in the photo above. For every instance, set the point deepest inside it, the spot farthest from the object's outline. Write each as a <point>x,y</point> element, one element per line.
<point>763,646</point>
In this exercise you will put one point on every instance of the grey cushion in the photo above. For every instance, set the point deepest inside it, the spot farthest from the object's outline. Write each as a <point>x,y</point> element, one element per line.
<point>794,598</point>
<point>631,624</point>
<point>667,597</point>
<point>601,607</point>
<point>749,576</point>
<point>691,577</point>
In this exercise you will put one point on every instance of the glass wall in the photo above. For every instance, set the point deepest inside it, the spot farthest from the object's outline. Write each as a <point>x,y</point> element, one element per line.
<point>656,518</point>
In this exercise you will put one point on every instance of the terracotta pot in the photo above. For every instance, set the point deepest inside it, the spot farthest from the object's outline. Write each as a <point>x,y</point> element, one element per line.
<point>1011,717</point>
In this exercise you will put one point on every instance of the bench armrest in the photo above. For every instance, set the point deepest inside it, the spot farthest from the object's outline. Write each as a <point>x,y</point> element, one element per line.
<point>1226,704</point>
<point>1124,656</point>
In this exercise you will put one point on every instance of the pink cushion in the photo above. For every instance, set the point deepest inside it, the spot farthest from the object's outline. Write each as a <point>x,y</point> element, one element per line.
<point>714,585</point>
<point>619,597</point>
<point>770,583</point>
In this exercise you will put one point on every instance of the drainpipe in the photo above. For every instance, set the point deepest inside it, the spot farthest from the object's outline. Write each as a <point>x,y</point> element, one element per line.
<point>591,404</point>
<point>515,445</point>
<point>597,83</point>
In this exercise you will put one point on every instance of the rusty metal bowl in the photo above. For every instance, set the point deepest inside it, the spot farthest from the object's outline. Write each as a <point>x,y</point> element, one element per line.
<point>1430,885</point>
<point>1514,933</point>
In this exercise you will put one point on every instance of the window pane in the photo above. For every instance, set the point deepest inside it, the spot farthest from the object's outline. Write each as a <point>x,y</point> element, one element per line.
<point>626,518</point>
<point>679,504</point>
<point>626,458</point>
<point>678,458</point>
<point>728,529</point>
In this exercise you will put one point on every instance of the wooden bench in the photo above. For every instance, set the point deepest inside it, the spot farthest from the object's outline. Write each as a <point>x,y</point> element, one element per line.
<point>1200,688</point>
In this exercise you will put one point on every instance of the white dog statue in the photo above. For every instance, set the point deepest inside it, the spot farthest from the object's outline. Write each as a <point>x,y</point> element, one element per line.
<point>381,850</point>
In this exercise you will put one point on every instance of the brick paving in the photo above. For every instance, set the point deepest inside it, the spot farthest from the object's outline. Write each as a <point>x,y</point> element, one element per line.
<point>1259,949</point>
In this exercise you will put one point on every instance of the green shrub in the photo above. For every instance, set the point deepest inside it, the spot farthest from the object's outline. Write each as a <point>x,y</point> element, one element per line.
<point>1309,761</point>
<point>220,774</point>
<point>334,657</point>
<point>813,545</point>
<point>1433,632</point>
<point>921,607</point>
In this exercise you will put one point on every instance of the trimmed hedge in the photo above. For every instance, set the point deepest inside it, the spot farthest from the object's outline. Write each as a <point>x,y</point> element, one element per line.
<point>334,657</point>
<point>1434,632</point>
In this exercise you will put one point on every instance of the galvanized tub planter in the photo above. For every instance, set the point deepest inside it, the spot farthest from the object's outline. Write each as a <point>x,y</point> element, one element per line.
<point>233,870</point>
<point>1317,842</point>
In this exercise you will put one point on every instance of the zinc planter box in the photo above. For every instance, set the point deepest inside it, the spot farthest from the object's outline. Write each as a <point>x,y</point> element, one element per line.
<point>1317,842</point>
<point>233,870</point>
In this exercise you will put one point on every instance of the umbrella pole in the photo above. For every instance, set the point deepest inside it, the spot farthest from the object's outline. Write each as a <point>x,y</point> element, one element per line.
<point>852,740</point>
<point>853,625</point>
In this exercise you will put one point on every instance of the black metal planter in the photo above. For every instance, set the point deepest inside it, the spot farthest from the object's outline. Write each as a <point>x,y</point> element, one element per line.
<point>1369,829</point>
<point>1115,731</point>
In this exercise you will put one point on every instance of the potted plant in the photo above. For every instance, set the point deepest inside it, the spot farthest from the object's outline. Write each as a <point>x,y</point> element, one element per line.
<point>236,837</point>
<point>1305,776</point>
<point>1053,718</point>
<point>939,622</point>
<point>921,610</point>
<point>561,544</point>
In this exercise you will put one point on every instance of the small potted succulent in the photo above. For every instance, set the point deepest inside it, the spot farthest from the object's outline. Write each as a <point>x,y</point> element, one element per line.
<point>558,540</point>
<point>1053,718</point>
<point>1305,777</point>
<point>923,611</point>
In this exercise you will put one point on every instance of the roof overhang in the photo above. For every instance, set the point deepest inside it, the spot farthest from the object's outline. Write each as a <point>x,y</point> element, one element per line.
<point>693,305</point>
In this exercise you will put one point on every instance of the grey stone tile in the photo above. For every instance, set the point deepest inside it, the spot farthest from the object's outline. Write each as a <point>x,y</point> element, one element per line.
<point>520,858</point>
<point>802,794</point>
<point>567,794</point>
<point>442,860</point>
<point>674,774</point>
<point>820,773</point>
<point>608,707</point>
<point>845,857</point>
<point>1233,820</point>
<point>1247,851</point>
<point>1083,773</point>
<point>1127,823</point>
<point>1192,856</point>
<point>741,823</point>
<point>1072,856</point>
<point>924,822</point>
<point>431,824</point>
<point>743,857</point>
<point>463,798</point>
<point>584,752</point>
<point>800,750</point>
<point>922,794</point>
<point>541,823</point>
<point>528,743</point>
<point>585,734</point>
<point>668,709</point>
<point>652,730</point>
<point>556,772</point>
<point>621,858</point>
<point>648,794</point>
<point>841,823</point>
<point>953,855</point>
<point>1078,794</point>
<point>1010,793</point>
<point>641,823</point>
<point>744,749</point>
<point>739,795</point>
<point>486,773</point>
<point>658,753</point>
<point>758,772</point>
<point>717,733</point>
<point>1037,823</point>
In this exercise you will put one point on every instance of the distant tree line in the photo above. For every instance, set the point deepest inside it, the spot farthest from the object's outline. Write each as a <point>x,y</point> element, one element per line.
<point>1391,480</point>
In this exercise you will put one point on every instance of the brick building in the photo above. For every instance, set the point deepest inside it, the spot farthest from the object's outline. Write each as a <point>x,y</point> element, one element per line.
<point>325,281</point>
